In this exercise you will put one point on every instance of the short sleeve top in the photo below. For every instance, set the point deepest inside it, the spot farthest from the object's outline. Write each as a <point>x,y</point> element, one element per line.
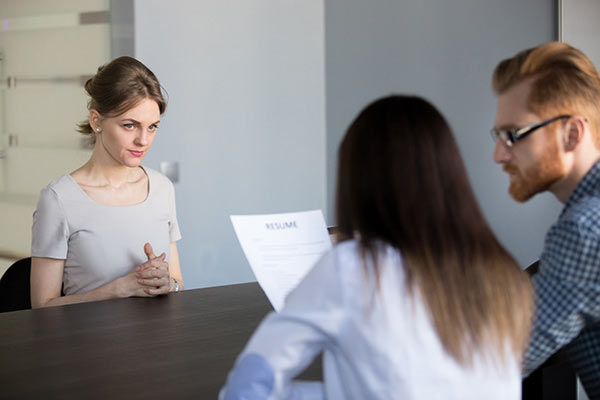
<point>100,243</point>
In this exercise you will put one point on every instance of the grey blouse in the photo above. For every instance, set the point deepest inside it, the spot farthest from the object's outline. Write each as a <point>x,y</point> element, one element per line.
<point>101,243</point>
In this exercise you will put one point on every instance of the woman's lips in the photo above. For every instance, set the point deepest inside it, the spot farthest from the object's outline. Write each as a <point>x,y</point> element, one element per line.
<point>136,153</point>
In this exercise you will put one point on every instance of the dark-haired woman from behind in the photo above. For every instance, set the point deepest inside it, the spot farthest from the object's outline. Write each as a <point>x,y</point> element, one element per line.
<point>97,229</point>
<point>419,300</point>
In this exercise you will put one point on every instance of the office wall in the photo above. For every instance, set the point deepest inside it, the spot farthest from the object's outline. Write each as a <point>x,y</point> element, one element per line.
<point>445,51</point>
<point>579,26</point>
<point>249,125</point>
<point>245,119</point>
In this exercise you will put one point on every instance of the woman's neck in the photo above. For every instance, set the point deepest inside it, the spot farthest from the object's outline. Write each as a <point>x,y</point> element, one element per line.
<point>103,170</point>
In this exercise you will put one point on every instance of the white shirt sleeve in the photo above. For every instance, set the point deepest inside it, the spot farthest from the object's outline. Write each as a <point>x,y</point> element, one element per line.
<point>286,343</point>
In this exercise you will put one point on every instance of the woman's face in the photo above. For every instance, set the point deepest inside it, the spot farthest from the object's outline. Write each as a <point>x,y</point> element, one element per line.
<point>127,138</point>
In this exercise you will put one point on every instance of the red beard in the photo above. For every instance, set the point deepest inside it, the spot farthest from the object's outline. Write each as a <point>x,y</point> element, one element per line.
<point>538,177</point>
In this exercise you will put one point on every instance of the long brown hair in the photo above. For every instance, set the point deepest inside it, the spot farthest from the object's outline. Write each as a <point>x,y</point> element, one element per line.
<point>401,182</point>
<point>117,87</point>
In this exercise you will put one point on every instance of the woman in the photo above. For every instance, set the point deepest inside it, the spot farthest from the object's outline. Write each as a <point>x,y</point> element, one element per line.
<point>419,300</point>
<point>94,228</point>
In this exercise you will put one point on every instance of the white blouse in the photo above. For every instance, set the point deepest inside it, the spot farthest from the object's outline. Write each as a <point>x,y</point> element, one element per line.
<point>377,343</point>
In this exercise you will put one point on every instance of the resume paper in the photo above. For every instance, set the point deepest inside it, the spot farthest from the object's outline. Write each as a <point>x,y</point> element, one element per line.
<point>281,248</point>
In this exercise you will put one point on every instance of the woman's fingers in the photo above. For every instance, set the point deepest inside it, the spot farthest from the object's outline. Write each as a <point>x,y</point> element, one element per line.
<point>149,252</point>
<point>153,277</point>
<point>150,273</point>
<point>155,282</point>
<point>157,291</point>
<point>157,262</point>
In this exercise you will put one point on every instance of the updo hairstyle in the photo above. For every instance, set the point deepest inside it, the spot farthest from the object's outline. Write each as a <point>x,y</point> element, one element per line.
<point>117,87</point>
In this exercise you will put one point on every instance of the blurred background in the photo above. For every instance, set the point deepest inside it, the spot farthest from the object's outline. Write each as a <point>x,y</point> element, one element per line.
<point>260,94</point>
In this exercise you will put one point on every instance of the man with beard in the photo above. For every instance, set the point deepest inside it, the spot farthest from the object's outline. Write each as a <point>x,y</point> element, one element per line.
<point>547,135</point>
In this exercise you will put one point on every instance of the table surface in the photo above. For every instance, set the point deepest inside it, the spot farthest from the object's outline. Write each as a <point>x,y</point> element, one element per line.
<point>177,346</point>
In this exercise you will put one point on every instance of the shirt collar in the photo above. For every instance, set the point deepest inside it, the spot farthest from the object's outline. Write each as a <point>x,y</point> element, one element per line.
<point>589,185</point>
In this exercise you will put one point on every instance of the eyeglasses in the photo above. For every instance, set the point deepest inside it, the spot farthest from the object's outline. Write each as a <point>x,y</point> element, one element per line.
<point>510,136</point>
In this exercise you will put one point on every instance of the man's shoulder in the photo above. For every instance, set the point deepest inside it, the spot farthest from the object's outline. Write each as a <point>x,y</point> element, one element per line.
<point>572,245</point>
<point>582,217</point>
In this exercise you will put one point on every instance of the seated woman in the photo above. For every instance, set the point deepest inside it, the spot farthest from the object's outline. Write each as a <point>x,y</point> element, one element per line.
<point>94,229</point>
<point>419,300</point>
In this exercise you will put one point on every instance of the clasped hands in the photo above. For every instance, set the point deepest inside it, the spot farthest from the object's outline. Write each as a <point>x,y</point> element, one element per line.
<point>152,277</point>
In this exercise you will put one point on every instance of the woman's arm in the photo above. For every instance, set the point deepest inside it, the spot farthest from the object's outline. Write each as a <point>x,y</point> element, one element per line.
<point>175,268</point>
<point>46,283</point>
<point>281,348</point>
<point>285,343</point>
<point>46,280</point>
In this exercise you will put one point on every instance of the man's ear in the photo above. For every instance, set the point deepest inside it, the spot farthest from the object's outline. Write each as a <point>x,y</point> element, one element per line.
<point>573,134</point>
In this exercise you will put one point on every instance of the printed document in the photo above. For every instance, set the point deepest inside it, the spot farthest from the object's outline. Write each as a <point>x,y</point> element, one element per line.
<point>281,248</point>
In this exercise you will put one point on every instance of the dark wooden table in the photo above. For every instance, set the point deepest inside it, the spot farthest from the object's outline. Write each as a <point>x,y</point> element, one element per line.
<point>176,346</point>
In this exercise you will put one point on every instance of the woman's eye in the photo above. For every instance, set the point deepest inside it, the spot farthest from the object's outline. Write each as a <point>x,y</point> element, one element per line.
<point>153,128</point>
<point>128,126</point>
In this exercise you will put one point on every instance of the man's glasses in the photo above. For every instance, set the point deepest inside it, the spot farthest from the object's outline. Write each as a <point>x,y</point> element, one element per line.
<point>510,136</point>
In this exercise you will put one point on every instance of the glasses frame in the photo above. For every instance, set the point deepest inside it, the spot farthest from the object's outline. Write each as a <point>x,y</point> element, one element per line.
<point>510,136</point>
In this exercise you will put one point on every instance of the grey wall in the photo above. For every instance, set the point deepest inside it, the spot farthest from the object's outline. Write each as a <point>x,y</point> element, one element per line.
<point>245,118</point>
<point>579,26</point>
<point>262,91</point>
<point>445,51</point>
<point>122,40</point>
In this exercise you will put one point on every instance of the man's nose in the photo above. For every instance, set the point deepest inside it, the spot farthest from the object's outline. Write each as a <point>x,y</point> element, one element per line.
<point>501,152</point>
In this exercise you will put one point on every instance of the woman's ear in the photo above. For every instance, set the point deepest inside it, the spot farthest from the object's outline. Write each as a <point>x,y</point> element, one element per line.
<point>95,120</point>
<point>573,133</point>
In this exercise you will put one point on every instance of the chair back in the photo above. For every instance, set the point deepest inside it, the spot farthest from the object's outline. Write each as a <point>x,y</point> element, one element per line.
<point>555,378</point>
<point>14,286</point>
<point>533,268</point>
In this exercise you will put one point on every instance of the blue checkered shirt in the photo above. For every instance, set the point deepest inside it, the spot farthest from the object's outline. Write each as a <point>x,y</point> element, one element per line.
<point>567,287</point>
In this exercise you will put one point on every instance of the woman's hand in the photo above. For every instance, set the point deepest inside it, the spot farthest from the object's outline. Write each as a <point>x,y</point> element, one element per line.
<point>129,286</point>
<point>153,275</point>
<point>146,280</point>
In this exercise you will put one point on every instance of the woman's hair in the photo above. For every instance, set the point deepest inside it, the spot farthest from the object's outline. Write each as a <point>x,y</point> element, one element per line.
<point>117,87</point>
<point>401,182</point>
<point>565,81</point>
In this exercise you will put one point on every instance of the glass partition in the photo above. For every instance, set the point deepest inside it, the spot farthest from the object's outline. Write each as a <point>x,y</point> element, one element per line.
<point>48,49</point>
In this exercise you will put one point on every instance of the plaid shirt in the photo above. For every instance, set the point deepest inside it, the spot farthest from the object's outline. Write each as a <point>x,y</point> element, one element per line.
<point>567,287</point>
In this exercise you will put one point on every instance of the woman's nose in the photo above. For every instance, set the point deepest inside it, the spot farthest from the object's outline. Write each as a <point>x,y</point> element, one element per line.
<point>142,138</point>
